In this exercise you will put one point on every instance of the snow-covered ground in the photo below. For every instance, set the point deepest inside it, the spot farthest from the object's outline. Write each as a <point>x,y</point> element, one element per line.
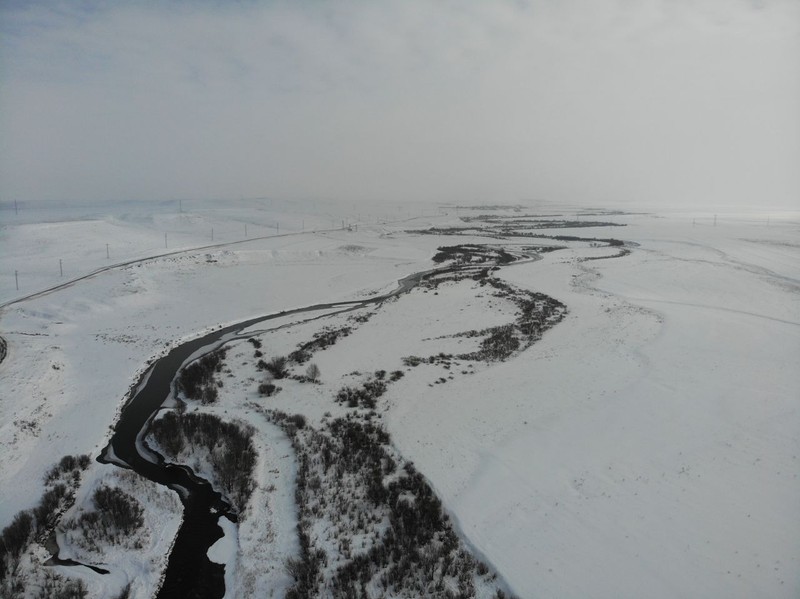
<point>645,446</point>
<point>648,445</point>
<point>137,561</point>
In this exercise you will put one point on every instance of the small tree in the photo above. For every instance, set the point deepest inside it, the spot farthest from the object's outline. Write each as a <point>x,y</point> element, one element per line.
<point>312,372</point>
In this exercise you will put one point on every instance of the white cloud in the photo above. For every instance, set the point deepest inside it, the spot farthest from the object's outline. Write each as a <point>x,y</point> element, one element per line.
<point>650,100</point>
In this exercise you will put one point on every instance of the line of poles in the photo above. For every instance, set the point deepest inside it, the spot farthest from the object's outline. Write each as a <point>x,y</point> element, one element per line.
<point>166,240</point>
<point>108,248</point>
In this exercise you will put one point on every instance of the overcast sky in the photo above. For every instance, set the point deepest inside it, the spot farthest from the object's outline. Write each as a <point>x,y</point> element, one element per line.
<point>682,102</point>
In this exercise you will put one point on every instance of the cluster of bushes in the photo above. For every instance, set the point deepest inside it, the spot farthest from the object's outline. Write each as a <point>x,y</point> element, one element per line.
<point>197,379</point>
<point>460,273</point>
<point>257,345</point>
<point>620,254</point>
<point>481,273</point>
<point>229,446</point>
<point>311,375</point>
<point>523,219</point>
<point>276,367</point>
<point>321,340</point>
<point>289,423</point>
<point>54,585</point>
<point>543,249</point>
<point>557,224</point>
<point>537,313</point>
<point>70,466</point>
<point>440,358</point>
<point>60,484</point>
<point>529,221</point>
<point>446,231</point>
<point>54,501</point>
<point>607,240</point>
<point>471,254</point>
<point>361,318</point>
<point>118,509</point>
<point>115,517</point>
<point>16,536</point>
<point>268,389</point>
<point>306,570</point>
<point>385,529</point>
<point>518,230</point>
<point>367,394</point>
<point>500,343</point>
<point>492,218</point>
<point>502,226</point>
<point>413,361</point>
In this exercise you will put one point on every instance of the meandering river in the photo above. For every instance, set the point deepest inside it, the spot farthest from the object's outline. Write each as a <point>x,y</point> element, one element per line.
<point>189,572</point>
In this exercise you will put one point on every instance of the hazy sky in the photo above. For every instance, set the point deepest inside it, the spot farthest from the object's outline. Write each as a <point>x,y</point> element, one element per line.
<point>675,102</point>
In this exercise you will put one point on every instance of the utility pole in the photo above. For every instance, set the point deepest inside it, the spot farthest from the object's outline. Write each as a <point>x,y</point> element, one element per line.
<point>16,279</point>
<point>108,256</point>
<point>165,240</point>
<point>277,228</point>
<point>212,233</point>
<point>180,205</point>
<point>60,267</point>
<point>245,230</point>
<point>16,208</point>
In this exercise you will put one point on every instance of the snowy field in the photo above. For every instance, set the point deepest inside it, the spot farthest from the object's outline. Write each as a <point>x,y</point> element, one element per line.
<point>645,446</point>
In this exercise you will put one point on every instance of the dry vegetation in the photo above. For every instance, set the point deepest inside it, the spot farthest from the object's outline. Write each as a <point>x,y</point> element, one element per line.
<point>369,524</point>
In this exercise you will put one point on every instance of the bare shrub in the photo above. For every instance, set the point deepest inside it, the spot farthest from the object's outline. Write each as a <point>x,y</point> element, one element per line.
<point>312,372</point>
